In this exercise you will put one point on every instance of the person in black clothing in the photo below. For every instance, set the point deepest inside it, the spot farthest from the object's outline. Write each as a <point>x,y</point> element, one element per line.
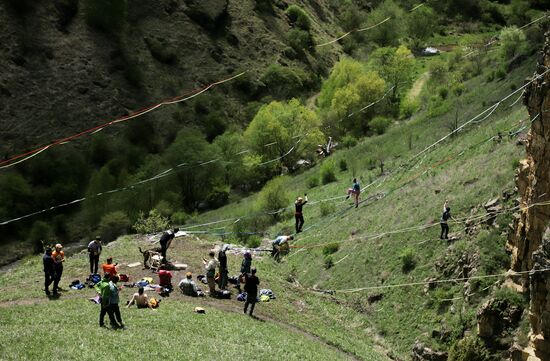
<point>298,213</point>
<point>94,250</point>
<point>222,258</point>
<point>49,271</point>
<point>251,289</point>
<point>443,221</point>
<point>165,241</point>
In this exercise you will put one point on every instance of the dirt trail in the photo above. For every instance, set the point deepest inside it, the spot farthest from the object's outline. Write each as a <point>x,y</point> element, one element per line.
<point>418,85</point>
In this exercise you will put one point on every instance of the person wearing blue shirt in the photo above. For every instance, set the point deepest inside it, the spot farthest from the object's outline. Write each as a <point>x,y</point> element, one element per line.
<point>355,190</point>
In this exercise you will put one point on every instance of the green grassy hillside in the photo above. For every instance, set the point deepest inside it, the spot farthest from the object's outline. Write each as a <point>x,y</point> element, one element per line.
<point>302,323</point>
<point>413,198</point>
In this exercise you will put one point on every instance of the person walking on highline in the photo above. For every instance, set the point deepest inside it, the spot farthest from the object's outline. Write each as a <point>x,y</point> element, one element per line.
<point>165,242</point>
<point>251,289</point>
<point>298,212</point>
<point>49,270</point>
<point>58,258</point>
<point>355,190</point>
<point>443,221</point>
<point>94,250</point>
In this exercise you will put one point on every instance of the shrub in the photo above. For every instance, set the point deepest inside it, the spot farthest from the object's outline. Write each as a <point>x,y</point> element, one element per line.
<point>408,107</point>
<point>331,248</point>
<point>328,173</point>
<point>443,92</point>
<point>379,125</point>
<point>164,208</point>
<point>408,260</point>
<point>312,181</point>
<point>327,208</point>
<point>438,71</point>
<point>161,51</point>
<point>254,242</point>
<point>298,17</point>
<point>493,256</point>
<point>274,195</point>
<point>509,296</point>
<point>512,43</point>
<point>218,196</point>
<point>348,141</point>
<point>328,262</point>
<point>469,349</point>
<point>152,223</point>
<point>245,229</point>
<point>113,225</point>
<point>283,81</point>
<point>500,73</point>
<point>299,40</point>
<point>105,15</point>
<point>343,165</point>
<point>41,232</point>
<point>241,229</point>
<point>180,217</point>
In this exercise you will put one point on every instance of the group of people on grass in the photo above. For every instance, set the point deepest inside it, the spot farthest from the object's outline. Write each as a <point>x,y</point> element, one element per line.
<point>108,289</point>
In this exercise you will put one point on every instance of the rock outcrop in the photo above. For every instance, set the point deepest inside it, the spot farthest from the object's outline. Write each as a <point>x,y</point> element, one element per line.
<point>533,181</point>
<point>423,353</point>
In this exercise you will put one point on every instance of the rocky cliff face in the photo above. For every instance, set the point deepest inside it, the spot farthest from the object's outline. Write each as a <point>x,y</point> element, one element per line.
<point>529,242</point>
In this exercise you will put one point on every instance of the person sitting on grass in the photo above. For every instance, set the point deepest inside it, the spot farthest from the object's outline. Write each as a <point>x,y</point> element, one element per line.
<point>110,267</point>
<point>188,287</point>
<point>165,278</point>
<point>140,299</point>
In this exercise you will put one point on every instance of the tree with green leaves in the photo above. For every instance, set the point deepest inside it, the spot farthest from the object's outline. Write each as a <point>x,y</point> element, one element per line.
<point>512,43</point>
<point>343,74</point>
<point>390,32</point>
<point>396,66</point>
<point>202,170</point>
<point>284,129</point>
<point>364,90</point>
<point>420,25</point>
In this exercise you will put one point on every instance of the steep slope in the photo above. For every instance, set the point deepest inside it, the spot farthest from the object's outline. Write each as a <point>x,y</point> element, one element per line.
<point>61,76</point>
<point>384,259</point>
